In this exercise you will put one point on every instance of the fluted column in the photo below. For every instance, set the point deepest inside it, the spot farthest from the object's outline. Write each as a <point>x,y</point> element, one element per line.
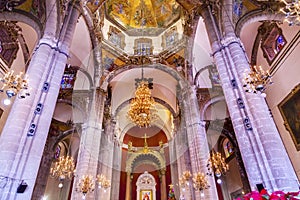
<point>21,150</point>
<point>128,186</point>
<point>266,160</point>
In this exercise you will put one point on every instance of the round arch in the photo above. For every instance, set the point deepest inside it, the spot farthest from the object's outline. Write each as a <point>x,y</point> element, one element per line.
<point>135,159</point>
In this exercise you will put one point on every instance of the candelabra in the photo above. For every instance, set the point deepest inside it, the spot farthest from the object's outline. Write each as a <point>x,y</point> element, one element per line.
<point>14,84</point>
<point>85,185</point>
<point>200,182</point>
<point>291,12</point>
<point>103,182</point>
<point>256,80</point>
<point>142,107</point>
<point>63,169</point>
<point>217,166</point>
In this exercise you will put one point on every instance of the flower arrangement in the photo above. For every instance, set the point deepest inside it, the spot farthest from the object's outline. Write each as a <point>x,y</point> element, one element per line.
<point>276,195</point>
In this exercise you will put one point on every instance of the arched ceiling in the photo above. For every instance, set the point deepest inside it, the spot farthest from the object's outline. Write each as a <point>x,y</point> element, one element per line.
<point>123,86</point>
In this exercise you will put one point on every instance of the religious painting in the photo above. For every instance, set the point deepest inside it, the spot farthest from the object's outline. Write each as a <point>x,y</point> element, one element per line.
<point>69,77</point>
<point>170,38</point>
<point>146,195</point>
<point>290,111</point>
<point>214,76</point>
<point>130,14</point>
<point>57,152</point>
<point>272,42</point>
<point>116,37</point>
<point>228,148</point>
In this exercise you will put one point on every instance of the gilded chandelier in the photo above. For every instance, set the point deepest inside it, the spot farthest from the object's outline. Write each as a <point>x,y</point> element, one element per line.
<point>256,80</point>
<point>103,182</point>
<point>184,179</point>
<point>14,84</point>
<point>217,166</point>
<point>85,185</point>
<point>142,107</point>
<point>64,168</point>
<point>291,12</point>
<point>200,182</point>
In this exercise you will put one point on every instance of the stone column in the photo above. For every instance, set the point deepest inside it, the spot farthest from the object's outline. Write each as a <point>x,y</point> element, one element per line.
<point>260,144</point>
<point>43,174</point>
<point>105,164</point>
<point>163,184</point>
<point>128,186</point>
<point>182,150</point>
<point>90,142</point>
<point>116,171</point>
<point>174,167</point>
<point>197,141</point>
<point>24,135</point>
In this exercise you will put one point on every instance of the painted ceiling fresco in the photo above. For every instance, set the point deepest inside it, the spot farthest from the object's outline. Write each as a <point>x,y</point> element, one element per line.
<point>143,13</point>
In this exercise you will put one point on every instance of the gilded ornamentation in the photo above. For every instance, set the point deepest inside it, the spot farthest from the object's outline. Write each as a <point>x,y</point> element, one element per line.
<point>138,60</point>
<point>131,14</point>
<point>98,21</point>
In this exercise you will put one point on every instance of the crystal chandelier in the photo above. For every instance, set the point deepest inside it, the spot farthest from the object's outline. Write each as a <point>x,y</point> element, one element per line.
<point>291,12</point>
<point>142,107</point>
<point>14,84</point>
<point>200,182</point>
<point>103,182</point>
<point>217,166</point>
<point>85,185</point>
<point>184,179</point>
<point>63,169</point>
<point>256,80</point>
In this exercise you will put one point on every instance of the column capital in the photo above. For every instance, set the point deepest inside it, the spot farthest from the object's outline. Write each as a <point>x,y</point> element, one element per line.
<point>163,171</point>
<point>228,40</point>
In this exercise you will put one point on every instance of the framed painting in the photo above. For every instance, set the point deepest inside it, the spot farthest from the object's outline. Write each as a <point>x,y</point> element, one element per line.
<point>146,195</point>
<point>272,42</point>
<point>290,111</point>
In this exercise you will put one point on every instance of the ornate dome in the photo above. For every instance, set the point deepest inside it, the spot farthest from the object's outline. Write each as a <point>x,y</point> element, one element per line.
<point>135,14</point>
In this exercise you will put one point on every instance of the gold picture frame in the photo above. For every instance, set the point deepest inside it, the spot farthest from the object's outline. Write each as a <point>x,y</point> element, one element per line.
<point>290,111</point>
<point>146,195</point>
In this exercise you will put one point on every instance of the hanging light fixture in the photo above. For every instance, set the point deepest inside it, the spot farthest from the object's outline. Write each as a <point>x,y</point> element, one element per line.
<point>184,180</point>
<point>142,109</point>
<point>217,166</point>
<point>291,12</point>
<point>103,182</point>
<point>257,80</point>
<point>200,182</point>
<point>85,185</point>
<point>63,169</point>
<point>13,85</point>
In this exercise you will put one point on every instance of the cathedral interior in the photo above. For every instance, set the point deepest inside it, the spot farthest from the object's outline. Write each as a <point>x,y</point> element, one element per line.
<point>148,99</point>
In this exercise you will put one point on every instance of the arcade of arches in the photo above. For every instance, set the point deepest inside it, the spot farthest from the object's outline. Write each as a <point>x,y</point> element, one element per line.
<point>84,60</point>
